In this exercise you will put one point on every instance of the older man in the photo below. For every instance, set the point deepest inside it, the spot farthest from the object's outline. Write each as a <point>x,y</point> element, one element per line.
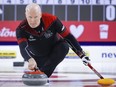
<point>42,40</point>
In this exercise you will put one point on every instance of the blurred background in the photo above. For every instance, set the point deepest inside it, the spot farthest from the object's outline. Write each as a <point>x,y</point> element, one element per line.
<point>92,22</point>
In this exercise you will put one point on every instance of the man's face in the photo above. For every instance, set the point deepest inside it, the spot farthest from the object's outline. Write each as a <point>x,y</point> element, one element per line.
<point>33,18</point>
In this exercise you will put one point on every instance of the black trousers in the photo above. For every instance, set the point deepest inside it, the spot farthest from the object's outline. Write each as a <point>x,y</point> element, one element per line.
<point>47,64</point>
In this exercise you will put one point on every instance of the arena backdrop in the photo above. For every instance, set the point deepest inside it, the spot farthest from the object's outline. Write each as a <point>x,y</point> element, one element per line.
<point>87,20</point>
<point>91,21</point>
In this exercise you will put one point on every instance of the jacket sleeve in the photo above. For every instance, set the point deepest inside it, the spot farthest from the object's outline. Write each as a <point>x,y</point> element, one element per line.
<point>23,45</point>
<point>65,33</point>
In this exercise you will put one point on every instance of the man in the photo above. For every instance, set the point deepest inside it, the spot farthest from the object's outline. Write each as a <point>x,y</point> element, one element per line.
<point>42,39</point>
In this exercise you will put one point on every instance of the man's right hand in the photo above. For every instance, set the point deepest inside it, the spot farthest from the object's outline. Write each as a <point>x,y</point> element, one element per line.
<point>32,64</point>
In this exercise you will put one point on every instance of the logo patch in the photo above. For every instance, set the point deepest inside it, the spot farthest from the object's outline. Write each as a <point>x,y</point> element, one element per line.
<point>48,34</point>
<point>31,38</point>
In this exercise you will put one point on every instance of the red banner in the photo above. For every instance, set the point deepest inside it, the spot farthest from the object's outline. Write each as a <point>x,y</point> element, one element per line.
<point>93,31</point>
<point>7,30</point>
<point>83,31</point>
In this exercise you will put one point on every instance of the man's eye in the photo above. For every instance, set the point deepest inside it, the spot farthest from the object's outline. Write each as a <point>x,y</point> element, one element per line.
<point>35,17</point>
<point>30,17</point>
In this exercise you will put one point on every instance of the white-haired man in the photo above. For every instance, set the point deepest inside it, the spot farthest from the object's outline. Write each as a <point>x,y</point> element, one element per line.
<point>42,40</point>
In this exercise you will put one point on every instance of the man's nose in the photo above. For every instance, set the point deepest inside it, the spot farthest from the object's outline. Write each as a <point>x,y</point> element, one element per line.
<point>32,20</point>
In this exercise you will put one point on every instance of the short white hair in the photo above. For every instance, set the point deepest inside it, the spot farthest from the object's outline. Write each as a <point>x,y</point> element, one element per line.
<point>33,6</point>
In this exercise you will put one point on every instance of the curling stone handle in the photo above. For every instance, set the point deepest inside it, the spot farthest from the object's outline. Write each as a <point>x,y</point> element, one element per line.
<point>36,68</point>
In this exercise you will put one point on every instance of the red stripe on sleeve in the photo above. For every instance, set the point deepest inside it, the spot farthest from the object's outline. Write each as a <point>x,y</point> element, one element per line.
<point>21,40</point>
<point>48,19</point>
<point>65,33</point>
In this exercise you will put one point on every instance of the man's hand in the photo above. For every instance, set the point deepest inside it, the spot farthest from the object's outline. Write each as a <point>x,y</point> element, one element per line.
<point>85,60</point>
<point>32,64</point>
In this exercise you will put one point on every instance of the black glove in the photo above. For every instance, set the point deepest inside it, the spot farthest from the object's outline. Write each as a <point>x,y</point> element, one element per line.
<point>85,60</point>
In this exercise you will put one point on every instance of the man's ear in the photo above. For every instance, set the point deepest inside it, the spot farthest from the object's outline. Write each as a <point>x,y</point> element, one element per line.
<point>40,15</point>
<point>26,14</point>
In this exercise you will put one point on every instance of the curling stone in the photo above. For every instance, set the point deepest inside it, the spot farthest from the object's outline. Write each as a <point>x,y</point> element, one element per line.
<point>34,78</point>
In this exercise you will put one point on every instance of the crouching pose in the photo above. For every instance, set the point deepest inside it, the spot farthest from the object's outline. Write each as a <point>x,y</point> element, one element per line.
<point>42,40</point>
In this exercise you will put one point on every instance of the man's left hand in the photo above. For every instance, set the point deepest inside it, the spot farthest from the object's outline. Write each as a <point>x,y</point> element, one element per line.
<point>85,60</point>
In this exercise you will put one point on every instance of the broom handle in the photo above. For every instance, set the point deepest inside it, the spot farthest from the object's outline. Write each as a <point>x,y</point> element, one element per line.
<point>89,65</point>
<point>96,72</point>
